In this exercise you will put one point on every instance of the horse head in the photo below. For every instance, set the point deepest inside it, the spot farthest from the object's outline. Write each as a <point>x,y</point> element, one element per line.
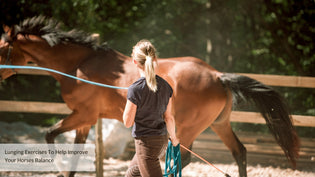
<point>9,55</point>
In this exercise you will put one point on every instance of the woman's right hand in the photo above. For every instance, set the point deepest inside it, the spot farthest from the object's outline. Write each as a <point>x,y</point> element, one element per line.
<point>175,141</point>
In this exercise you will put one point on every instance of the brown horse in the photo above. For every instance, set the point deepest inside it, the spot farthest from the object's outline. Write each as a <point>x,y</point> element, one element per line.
<point>202,97</point>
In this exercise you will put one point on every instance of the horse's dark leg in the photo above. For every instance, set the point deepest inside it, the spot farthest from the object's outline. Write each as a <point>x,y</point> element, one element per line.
<point>225,132</point>
<point>186,157</point>
<point>53,132</point>
<point>80,138</point>
<point>82,134</point>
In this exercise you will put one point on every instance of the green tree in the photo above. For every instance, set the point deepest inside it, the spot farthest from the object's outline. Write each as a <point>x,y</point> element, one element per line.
<point>261,36</point>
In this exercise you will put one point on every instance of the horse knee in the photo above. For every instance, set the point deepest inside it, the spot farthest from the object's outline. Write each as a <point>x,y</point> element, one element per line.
<point>82,134</point>
<point>72,173</point>
<point>53,132</point>
<point>49,137</point>
<point>80,139</point>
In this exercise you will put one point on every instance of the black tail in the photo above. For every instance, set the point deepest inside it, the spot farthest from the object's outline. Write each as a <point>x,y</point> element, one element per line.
<point>272,107</point>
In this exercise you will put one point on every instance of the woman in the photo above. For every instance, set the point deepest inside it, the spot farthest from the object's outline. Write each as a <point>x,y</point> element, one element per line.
<point>148,109</point>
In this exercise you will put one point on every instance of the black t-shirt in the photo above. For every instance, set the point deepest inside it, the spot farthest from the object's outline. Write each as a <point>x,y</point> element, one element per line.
<point>151,106</point>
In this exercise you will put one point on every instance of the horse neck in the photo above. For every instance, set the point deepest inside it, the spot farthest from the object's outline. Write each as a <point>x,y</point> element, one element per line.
<point>62,57</point>
<point>114,67</point>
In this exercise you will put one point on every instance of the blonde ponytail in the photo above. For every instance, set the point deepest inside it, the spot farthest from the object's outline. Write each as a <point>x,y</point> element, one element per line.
<point>150,73</point>
<point>144,53</point>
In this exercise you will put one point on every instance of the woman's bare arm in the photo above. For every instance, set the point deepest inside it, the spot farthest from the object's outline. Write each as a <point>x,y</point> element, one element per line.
<point>129,114</point>
<point>170,123</point>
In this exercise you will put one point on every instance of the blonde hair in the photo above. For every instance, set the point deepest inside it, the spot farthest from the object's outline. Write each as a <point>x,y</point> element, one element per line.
<point>144,53</point>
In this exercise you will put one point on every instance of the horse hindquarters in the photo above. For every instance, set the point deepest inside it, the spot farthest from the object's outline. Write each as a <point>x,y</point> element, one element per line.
<point>271,105</point>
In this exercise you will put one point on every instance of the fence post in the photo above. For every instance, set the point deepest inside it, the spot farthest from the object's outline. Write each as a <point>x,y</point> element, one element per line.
<point>99,151</point>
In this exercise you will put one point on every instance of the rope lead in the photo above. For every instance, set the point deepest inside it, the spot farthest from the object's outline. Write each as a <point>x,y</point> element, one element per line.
<point>173,154</point>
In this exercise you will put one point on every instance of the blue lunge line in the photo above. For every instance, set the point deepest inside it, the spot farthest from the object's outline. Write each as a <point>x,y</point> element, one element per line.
<point>61,73</point>
<point>173,153</point>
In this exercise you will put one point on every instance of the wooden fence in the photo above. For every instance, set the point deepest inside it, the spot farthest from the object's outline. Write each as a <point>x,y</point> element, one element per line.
<point>237,116</point>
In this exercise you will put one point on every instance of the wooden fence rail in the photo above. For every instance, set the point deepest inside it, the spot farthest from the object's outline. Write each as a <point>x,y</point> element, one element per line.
<point>61,108</point>
<point>283,81</point>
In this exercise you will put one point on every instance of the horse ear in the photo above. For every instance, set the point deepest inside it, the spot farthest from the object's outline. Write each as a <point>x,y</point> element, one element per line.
<point>7,29</point>
<point>10,30</point>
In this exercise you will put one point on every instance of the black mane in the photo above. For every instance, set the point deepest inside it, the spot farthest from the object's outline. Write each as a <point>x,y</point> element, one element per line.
<point>49,30</point>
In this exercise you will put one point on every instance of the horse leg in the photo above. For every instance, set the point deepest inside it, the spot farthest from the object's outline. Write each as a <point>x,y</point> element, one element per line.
<point>76,120</point>
<point>82,134</point>
<point>225,132</point>
<point>196,121</point>
<point>222,127</point>
<point>80,138</point>
<point>186,139</point>
<point>53,132</point>
<point>186,157</point>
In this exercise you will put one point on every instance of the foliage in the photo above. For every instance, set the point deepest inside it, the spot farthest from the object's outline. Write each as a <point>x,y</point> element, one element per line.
<point>261,36</point>
<point>243,34</point>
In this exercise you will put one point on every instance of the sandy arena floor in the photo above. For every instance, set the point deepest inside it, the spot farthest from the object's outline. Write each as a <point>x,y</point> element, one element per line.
<point>117,168</point>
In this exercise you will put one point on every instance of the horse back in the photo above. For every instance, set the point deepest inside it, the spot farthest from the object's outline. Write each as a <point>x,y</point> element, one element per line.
<point>189,74</point>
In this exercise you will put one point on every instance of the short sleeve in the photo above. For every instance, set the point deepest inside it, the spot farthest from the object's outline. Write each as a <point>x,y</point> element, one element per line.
<point>168,88</point>
<point>134,95</point>
<point>171,90</point>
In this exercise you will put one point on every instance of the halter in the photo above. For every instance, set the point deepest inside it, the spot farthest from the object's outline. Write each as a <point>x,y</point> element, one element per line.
<point>8,61</point>
<point>10,42</point>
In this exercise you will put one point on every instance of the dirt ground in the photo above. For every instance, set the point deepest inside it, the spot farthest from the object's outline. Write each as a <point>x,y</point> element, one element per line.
<point>117,168</point>
<point>259,166</point>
